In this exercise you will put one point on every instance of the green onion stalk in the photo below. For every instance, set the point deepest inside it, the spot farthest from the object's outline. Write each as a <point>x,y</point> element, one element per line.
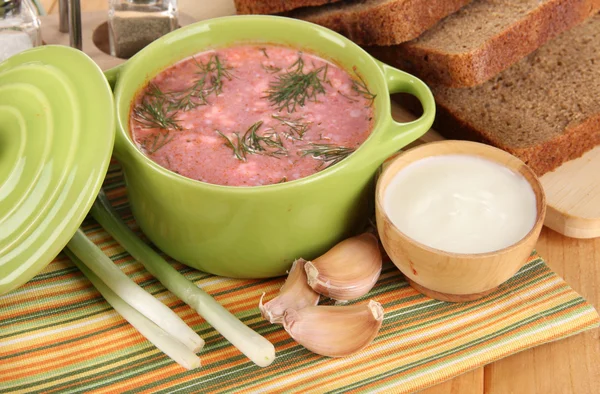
<point>156,335</point>
<point>257,348</point>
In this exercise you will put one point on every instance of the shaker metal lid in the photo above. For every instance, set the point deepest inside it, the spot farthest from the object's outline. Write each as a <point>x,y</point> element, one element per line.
<point>56,137</point>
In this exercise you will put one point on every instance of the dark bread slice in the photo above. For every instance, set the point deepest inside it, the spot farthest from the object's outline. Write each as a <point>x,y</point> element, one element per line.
<point>545,109</point>
<point>380,22</point>
<point>275,6</point>
<point>485,37</point>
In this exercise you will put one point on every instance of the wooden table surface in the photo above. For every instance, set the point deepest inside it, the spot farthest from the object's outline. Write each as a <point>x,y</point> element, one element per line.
<point>568,366</point>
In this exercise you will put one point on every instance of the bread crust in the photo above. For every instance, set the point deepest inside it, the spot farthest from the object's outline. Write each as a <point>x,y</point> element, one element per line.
<point>385,23</point>
<point>541,158</point>
<point>499,52</point>
<point>275,6</point>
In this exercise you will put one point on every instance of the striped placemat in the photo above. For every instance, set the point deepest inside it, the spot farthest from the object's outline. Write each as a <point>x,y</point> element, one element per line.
<point>57,334</point>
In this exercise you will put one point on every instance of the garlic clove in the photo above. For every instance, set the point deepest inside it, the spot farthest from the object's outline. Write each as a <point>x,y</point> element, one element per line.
<point>348,270</point>
<point>294,294</point>
<point>334,331</point>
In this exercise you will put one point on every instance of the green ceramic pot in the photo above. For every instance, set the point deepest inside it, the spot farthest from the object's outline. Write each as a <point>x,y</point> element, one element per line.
<point>256,232</point>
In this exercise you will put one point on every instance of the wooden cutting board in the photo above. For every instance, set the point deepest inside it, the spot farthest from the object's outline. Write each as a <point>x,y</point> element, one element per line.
<point>572,190</point>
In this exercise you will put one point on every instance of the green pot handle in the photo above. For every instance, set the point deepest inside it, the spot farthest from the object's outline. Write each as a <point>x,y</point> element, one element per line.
<point>112,76</point>
<point>397,135</point>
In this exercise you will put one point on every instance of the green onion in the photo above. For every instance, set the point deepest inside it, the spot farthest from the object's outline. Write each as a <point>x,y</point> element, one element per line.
<point>131,293</point>
<point>161,339</point>
<point>250,343</point>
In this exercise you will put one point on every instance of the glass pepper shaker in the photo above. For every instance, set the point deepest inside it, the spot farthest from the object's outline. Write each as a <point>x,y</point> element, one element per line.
<point>19,27</point>
<point>133,24</point>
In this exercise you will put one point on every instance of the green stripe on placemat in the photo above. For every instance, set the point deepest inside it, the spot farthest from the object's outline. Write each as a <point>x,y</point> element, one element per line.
<point>58,335</point>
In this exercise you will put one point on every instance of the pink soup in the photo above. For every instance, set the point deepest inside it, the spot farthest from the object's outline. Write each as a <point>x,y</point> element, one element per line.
<point>251,115</point>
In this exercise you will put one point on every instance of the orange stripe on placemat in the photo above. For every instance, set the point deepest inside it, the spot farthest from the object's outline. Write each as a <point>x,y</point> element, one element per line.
<point>258,374</point>
<point>71,339</point>
<point>444,322</point>
<point>85,379</point>
<point>207,360</point>
<point>61,290</point>
<point>21,298</point>
<point>58,304</point>
<point>76,355</point>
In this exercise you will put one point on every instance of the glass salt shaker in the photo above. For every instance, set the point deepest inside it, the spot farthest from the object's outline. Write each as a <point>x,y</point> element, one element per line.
<point>19,27</point>
<point>133,24</point>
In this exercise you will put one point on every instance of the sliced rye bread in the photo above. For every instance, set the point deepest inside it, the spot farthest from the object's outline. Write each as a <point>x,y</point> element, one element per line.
<point>485,37</point>
<point>545,109</point>
<point>379,22</point>
<point>275,6</point>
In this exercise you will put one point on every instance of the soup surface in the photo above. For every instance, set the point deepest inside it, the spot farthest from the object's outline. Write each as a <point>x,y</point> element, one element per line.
<point>251,115</point>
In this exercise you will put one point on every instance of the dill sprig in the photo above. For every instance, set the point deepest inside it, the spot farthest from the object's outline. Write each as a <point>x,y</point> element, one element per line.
<point>264,51</point>
<point>273,140</point>
<point>295,87</point>
<point>157,141</point>
<point>214,70</point>
<point>269,144</point>
<point>361,88</point>
<point>328,154</point>
<point>296,126</point>
<point>270,69</point>
<point>190,98</point>
<point>155,112</point>
<point>251,141</point>
<point>353,100</point>
<point>211,76</point>
<point>238,152</point>
<point>210,80</point>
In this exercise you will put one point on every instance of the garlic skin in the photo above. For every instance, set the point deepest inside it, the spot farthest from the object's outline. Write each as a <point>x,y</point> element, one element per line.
<point>348,270</point>
<point>294,294</point>
<point>334,331</point>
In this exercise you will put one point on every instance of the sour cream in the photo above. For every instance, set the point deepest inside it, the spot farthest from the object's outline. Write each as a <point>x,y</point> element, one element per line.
<point>461,204</point>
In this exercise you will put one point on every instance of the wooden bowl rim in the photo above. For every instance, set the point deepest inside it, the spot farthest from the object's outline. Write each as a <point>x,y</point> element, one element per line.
<point>515,165</point>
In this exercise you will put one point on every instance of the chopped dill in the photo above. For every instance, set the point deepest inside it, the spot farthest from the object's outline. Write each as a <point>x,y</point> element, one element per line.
<point>238,152</point>
<point>264,51</point>
<point>211,76</point>
<point>360,87</point>
<point>294,87</point>
<point>273,140</point>
<point>328,154</point>
<point>270,69</point>
<point>215,70</point>
<point>155,112</point>
<point>191,97</point>
<point>296,126</point>
<point>348,97</point>
<point>269,144</point>
<point>251,141</point>
<point>157,141</point>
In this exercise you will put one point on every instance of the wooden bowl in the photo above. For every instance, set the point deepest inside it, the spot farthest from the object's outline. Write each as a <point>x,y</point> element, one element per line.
<point>453,276</point>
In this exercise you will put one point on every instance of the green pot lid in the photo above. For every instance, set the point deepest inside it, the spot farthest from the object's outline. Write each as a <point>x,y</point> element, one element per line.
<point>56,136</point>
